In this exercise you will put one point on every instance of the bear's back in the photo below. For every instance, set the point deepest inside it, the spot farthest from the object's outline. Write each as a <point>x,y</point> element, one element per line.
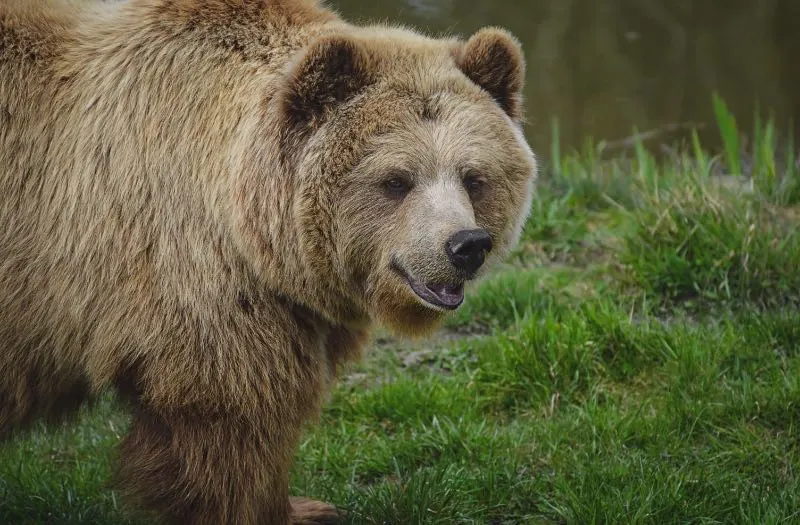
<point>32,33</point>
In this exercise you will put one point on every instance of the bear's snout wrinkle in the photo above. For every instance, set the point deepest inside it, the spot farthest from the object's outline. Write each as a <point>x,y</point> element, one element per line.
<point>467,249</point>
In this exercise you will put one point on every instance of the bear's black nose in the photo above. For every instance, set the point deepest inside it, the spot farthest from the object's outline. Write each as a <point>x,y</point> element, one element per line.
<point>467,249</point>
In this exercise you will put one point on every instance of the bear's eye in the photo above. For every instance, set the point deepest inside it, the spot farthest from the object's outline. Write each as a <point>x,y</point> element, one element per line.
<point>397,187</point>
<point>473,184</point>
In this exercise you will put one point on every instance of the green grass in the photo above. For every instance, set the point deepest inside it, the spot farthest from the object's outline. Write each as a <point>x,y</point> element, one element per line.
<point>637,361</point>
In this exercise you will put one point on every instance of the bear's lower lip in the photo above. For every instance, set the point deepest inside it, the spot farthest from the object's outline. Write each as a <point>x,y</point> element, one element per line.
<point>448,297</point>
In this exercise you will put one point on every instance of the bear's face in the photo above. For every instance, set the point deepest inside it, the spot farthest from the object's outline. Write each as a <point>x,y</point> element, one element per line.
<point>417,175</point>
<point>430,205</point>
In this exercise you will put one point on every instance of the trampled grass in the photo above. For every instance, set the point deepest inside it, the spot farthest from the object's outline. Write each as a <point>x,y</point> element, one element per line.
<point>637,361</point>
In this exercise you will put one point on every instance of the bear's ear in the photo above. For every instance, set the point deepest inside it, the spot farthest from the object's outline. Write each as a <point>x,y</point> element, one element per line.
<point>330,71</point>
<point>493,59</point>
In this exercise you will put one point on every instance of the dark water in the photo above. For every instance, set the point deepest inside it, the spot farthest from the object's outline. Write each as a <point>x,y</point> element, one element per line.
<point>604,66</point>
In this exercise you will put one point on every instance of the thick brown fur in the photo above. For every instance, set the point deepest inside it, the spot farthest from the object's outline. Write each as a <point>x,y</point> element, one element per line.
<point>193,215</point>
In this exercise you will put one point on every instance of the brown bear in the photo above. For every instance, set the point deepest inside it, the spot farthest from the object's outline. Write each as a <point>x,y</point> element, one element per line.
<point>205,205</point>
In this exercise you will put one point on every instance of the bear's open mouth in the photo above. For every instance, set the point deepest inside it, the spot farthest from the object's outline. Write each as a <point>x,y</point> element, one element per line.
<point>446,296</point>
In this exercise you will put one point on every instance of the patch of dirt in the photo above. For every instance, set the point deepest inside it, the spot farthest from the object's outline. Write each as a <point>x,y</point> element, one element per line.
<point>387,352</point>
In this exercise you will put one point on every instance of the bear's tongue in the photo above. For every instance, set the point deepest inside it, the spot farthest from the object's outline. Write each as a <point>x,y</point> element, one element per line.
<point>448,296</point>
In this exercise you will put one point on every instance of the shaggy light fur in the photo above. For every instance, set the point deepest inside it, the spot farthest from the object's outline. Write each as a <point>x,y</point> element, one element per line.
<point>194,213</point>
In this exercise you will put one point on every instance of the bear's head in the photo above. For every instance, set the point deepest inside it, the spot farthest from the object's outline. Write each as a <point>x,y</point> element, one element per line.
<point>412,172</point>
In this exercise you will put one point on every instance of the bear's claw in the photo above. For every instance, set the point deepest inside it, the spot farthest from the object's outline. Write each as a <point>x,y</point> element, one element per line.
<point>310,512</point>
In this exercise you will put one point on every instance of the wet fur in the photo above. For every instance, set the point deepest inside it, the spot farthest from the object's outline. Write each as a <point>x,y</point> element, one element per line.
<point>159,236</point>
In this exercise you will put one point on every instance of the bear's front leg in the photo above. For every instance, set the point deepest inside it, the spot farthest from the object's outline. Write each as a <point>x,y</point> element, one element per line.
<point>197,469</point>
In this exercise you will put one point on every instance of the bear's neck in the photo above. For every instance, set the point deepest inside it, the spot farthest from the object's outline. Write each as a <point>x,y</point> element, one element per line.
<point>185,117</point>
